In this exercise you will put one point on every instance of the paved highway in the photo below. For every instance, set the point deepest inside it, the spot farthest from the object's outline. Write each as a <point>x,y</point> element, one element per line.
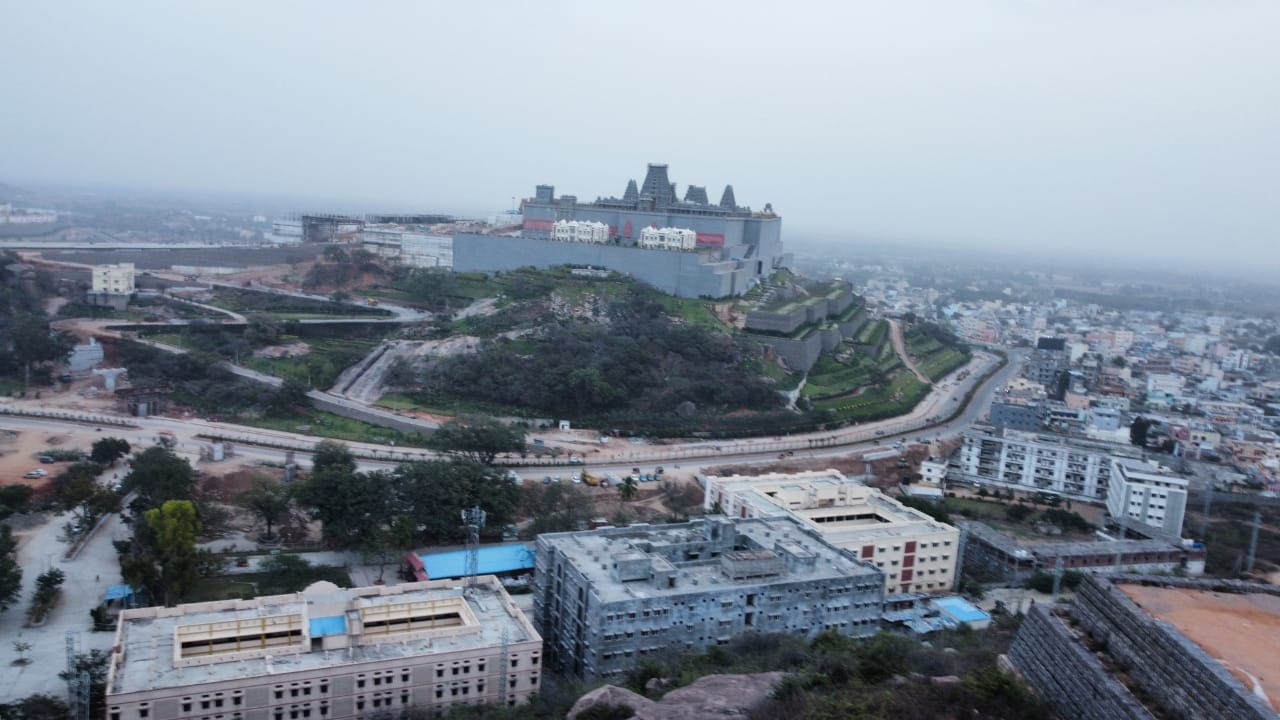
<point>272,445</point>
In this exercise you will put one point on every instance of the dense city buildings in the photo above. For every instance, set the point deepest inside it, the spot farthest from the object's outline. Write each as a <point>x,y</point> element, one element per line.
<point>324,653</point>
<point>733,248</point>
<point>915,552</point>
<point>607,598</point>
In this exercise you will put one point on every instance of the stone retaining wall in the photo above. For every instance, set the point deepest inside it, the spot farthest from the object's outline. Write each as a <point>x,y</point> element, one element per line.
<point>1069,677</point>
<point>1175,672</point>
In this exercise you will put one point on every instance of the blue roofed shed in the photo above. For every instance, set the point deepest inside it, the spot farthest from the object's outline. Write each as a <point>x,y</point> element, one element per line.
<point>492,560</point>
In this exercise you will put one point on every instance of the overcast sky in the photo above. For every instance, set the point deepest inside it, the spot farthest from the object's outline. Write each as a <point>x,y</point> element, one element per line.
<point>1119,127</point>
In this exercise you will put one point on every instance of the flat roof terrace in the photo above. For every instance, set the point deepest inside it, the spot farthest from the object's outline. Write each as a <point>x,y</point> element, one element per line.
<point>1242,631</point>
<point>271,635</point>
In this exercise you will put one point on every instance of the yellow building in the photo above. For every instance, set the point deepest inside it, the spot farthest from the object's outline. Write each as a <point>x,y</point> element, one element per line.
<point>325,653</point>
<point>915,552</point>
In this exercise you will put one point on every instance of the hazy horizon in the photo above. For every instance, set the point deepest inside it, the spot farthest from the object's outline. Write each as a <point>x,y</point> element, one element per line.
<point>1117,130</point>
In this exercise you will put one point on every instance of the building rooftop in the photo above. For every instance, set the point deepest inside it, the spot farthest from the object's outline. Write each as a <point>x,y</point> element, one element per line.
<point>846,512</point>
<point>641,561</point>
<point>232,639</point>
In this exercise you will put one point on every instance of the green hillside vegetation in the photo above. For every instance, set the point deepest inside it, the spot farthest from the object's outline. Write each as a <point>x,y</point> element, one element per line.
<point>856,386</point>
<point>935,350</point>
<point>625,357</point>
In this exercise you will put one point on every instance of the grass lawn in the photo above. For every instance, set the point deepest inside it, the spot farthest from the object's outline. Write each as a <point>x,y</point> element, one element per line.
<point>694,312</point>
<point>328,425</point>
<point>10,386</point>
<point>782,379</point>
<point>229,587</point>
<point>891,399</point>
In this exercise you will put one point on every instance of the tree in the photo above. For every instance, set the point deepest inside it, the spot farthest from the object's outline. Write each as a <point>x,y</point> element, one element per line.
<point>331,455</point>
<point>556,507</point>
<point>1272,345</point>
<point>78,492</point>
<point>10,571</point>
<point>158,476</point>
<point>349,505</point>
<point>1138,431</point>
<point>22,647</point>
<point>95,663</point>
<point>14,498</point>
<point>1018,513</point>
<point>176,527</point>
<point>477,438</point>
<point>36,707</point>
<point>34,343</point>
<point>268,499</point>
<point>628,489</point>
<point>436,492</point>
<point>108,450</point>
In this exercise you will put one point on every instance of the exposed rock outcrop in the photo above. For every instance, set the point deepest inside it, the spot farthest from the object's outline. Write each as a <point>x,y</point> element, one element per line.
<point>708,697</point>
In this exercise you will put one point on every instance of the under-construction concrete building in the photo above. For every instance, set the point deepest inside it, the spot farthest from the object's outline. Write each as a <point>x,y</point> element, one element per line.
<point>607,598</point>
<point>325,653</point>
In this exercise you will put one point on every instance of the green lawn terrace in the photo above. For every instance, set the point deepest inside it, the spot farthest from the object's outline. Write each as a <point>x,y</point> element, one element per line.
<point>935,357</point>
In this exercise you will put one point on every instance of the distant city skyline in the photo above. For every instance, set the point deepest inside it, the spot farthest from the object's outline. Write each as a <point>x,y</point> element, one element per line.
<point>1137,130</point>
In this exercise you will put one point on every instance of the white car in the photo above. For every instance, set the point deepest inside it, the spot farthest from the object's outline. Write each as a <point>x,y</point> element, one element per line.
<point>37,473</point>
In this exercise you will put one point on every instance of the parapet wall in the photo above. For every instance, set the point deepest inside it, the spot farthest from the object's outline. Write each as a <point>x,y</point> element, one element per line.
<point>1174,671</point>
<point>1069,677</point>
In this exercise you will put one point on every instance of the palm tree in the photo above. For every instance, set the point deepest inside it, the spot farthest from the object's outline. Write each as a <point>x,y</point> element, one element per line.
<point>628,489</point>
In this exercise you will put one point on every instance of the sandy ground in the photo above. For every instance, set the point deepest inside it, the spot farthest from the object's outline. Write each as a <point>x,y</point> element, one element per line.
<point>18,451</point>
<point>1243,631</point>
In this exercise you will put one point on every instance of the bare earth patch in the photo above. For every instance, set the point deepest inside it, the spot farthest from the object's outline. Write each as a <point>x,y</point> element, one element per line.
<point>1242,631</point>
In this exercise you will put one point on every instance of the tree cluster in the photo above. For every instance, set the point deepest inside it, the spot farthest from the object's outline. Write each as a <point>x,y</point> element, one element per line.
<point>48,589</point>
<point>416,503</point>
<point>200,380</point>
<point>162,557</point>
<point>641,359</point>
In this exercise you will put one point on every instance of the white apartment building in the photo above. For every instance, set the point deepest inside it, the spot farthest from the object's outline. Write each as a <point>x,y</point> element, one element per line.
<point>1139,493</point>
<point>583,231</point>
<point>915,552</point>
<point>325,653</point>
<point>668,238</point>
<point>113,278</point>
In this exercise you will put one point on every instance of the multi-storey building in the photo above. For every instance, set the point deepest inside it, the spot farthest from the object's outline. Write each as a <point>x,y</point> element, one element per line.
<point>915,552</point>
<point>325,653</point>
<point>1029,462</point>
<point>668,238</point>
<point>1136,493</point>
<point>607,598</point>
<point>113,278</point>
<point>583,231</point>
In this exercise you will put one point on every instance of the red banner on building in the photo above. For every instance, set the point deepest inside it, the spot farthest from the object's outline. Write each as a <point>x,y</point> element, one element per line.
<point>716,239</point>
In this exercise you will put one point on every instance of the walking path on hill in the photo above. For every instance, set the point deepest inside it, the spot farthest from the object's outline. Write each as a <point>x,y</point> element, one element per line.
<point>900,347</point>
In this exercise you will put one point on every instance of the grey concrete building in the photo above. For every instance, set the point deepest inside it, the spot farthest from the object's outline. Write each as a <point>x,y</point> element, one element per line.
<point>607,598</point>
<point>736,247</point>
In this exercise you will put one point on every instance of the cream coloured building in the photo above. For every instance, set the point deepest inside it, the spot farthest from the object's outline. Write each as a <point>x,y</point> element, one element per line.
<point>113,278</point>
<point>668,238</point>
<point>915,552</point>
<point>325,653</point>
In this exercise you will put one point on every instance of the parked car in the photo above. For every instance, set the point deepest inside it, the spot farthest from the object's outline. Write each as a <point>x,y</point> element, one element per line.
<point>46,459</point>
<point>35,474</point>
